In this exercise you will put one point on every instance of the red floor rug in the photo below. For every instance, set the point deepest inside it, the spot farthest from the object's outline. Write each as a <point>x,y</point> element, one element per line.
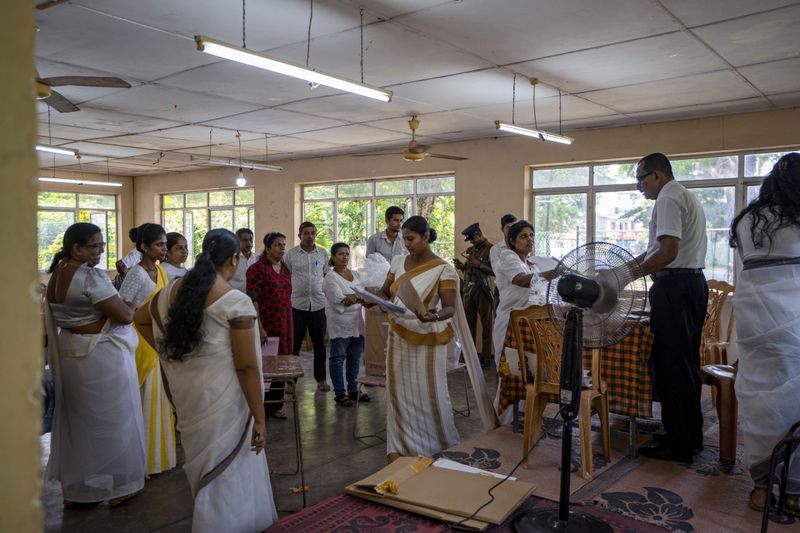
<point>352,515</point>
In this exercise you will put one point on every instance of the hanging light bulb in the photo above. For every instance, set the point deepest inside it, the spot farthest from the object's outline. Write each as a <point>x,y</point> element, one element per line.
<point>240,180</point>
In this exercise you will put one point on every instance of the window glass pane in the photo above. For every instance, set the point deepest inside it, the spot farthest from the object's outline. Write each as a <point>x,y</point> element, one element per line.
<point>355,189</point>
<point>84,215</point>
<point>196,199</point>
<point>353,225</point>
<point>440,213</point>
<point>752,192</point>
<point>560,177</point>
<point>220,198</point>
<point>616,174</point>
<point>391,187</point>
<point>319,191</point>
<point>560,223</point>
<point>56,199</point>
<point>718,204</point>
<point>97,201</point>
<point>241,218</point>
<point>622,218</point>
<point>171,201</point>
<point>705,168</point>
<point>111,239</point>
<point>382,204</point>
<point>173,220</point>
<point>760,164</point>
<point>245,196</point>
<point>198,220</point>
<point>321,214</point>
<point>222,218</point>
<point>431,185</point>
<point>51,226</point>
<point>99,220</point>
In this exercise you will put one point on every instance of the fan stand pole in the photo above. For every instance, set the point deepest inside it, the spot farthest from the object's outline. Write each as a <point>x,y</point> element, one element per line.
<point>547,520</point>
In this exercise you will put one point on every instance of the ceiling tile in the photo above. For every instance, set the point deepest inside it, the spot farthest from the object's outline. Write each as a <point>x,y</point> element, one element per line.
<point>694,13</point>
<point>156,143</point>
<point>701,110</point>
<point>572,108</point>
<point>171,104</point>
<point>432,124</point>
<point>775,77</point>
<point>105,150</point>
<point>786,100</point>
<point>656,58</point>
<point>109,121</point>
<point>352,135</point>
<point>519,30</point>
<point>354,108</point>
<point>71,133</point>
<point>766,37</point>
<point>683,92</point>
<point>276,122</point>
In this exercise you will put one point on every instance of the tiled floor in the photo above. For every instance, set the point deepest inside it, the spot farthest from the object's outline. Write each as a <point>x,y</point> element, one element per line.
<point>333,458</point>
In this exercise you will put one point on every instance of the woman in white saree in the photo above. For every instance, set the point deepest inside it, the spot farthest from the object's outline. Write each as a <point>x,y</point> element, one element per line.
<point>97,447</point>
<point>766,235</point>
<point>209,349</point>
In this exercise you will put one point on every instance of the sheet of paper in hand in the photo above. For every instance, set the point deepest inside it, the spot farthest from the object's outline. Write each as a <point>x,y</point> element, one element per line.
<point>385,305</point>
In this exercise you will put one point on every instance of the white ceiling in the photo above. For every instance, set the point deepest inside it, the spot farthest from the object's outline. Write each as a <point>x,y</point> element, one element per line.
<point>450,61</point>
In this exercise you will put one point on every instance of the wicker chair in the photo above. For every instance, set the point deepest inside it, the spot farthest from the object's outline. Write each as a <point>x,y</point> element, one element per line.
<point>546,386</point>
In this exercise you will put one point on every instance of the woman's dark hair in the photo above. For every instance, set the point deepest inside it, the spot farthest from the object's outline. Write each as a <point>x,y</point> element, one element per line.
<point>779,197</point>
<point>183,330</point>
<point>515,230</point>
<point>420,226</point>
<point>80,234</point>
<point>335,248</point>
<point>148,234</point>
<point>172,239</point>
<point>269,238</point>
<point>132,233</point>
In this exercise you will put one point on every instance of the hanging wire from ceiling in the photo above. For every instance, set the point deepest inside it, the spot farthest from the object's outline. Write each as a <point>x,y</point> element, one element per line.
<point>210,131</point>
<point>308,38</point>
<point>239,138</point>
<point>244,18</point>
<point>50,139</point>
<point>534,83</point>
<point>514,99</point>
<point>559,113</point>
<point>361,14</point>
<point>266,148</point>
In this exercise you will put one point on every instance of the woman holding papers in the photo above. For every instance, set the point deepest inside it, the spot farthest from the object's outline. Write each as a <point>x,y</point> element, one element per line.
<point>209,349</point>
<point>345,325</point>
<point>419,416</point>
<point>519,282</point>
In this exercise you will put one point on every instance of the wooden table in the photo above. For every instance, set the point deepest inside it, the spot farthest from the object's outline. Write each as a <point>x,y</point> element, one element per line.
<point>288,369</point>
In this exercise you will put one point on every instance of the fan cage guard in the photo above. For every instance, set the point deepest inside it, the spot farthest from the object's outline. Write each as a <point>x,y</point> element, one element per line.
<point>601,329</point>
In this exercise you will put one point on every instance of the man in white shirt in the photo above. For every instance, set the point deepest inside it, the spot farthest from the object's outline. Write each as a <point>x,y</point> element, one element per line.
<point>246,258</point>
<point>675,258</point>
<point>506,221</point>
<point>309,264</point>
<point>388,243</point>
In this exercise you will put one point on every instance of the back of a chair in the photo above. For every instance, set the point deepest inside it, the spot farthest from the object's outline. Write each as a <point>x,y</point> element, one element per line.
<point>547,342</point>
<point>718,292</point>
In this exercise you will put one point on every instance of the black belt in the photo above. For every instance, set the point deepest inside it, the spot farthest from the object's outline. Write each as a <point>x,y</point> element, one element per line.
<point>675,272</point>
<point>765,262</point>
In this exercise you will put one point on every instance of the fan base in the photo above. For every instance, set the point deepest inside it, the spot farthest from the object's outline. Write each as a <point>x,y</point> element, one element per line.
<point>547,521</point>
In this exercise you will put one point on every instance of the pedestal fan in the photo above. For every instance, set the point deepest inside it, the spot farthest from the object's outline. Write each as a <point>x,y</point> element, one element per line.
<point>594,299</point>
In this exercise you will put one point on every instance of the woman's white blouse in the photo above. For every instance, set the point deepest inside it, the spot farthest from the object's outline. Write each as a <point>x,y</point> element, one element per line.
<point>344,321</point>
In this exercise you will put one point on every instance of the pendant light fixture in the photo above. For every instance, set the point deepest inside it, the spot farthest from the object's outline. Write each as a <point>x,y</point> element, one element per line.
<point>314,77</point>
<point>240,179</point>
<point>535,132</point>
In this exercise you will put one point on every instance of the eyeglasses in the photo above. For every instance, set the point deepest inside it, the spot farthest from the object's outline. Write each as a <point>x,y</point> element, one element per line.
<point>97,246</point>
<point>643,177</point>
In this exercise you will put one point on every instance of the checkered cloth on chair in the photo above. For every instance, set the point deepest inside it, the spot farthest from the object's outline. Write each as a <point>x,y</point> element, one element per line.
<point>624,367</point>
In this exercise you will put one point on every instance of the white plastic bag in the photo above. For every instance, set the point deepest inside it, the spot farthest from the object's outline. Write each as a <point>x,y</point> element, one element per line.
<point>374,272</point>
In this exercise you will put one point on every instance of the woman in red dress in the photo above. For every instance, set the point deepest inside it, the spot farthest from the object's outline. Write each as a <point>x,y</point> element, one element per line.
<point>269,284</point>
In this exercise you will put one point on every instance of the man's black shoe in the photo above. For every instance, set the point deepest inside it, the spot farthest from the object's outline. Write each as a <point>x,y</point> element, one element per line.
<point>663,453</point>
<point>663,438</point>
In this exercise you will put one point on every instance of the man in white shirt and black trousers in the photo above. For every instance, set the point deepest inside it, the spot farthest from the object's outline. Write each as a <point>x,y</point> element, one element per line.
<point>675,259</point>
<point>309,265</point>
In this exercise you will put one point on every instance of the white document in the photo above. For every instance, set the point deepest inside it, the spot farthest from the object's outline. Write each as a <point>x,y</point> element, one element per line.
<point>385,305</point>
<point>453,465</point>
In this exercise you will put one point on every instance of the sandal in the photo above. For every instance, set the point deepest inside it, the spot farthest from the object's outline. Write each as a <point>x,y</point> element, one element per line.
<point>792,506</point>
<point>279,414</point>
<point>361,396</point>
<point>344,401</point>
<point>759,506</point>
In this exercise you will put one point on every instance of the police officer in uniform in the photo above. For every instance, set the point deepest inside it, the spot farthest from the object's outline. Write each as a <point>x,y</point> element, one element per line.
<point>476,289</point>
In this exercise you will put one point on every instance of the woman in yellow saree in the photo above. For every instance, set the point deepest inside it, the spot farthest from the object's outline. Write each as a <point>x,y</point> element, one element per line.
<point>141,283</point>
<point>419,415</point>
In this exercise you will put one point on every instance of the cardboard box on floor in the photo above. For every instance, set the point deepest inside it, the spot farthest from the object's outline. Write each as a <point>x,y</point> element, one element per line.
<point>376,332</point>
<point>443,494</point>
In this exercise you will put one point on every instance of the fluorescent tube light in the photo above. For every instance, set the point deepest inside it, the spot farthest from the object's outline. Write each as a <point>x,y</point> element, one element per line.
<point>257,59</point>
<point>541,135</point>
<point>55,150</point>
<point>82,182</point>
<point>219,162</point>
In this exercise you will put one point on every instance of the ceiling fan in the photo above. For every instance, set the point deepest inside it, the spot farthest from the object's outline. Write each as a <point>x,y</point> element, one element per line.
<point>415,151</point>
<point>45,92</point>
